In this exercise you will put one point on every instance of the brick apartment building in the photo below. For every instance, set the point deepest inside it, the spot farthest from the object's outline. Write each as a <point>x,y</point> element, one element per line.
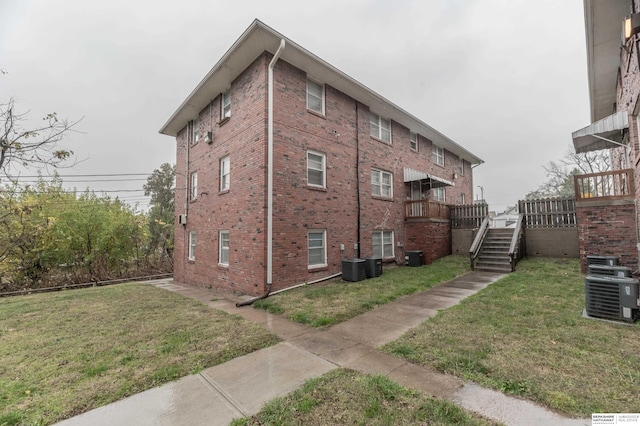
<point>285,166</point>
<point>607,203</point>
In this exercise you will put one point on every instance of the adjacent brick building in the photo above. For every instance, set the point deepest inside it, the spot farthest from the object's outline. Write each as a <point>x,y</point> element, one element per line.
<point>344,162</point>
<point>607,203</point>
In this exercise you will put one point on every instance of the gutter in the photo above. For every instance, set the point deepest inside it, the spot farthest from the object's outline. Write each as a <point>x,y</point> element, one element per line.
<point>272,64</point>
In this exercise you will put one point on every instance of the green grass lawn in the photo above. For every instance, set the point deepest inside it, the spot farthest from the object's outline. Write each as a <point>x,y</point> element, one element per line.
<point>65,353</point>
<point>345,397</point>
<point>335,301</point>
<point>525,335</point>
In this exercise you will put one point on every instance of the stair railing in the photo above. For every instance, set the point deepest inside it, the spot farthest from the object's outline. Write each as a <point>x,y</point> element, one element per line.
<point>518,246</point>
<point>477,241</point>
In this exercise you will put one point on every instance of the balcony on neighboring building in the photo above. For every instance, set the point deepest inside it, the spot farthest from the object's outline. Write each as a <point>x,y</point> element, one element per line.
<point>611,185</point>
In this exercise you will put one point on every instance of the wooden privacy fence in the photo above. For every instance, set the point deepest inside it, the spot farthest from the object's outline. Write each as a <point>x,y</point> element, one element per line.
<point>468,216</point>
<point>612,184</point>
<point>548,213</point>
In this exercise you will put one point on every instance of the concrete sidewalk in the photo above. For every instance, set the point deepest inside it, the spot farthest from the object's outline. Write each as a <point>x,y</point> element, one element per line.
<point>241,386</point>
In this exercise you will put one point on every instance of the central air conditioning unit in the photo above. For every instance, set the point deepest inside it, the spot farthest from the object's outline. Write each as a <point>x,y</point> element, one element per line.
<point>612,297</point>
<point>182,219</point>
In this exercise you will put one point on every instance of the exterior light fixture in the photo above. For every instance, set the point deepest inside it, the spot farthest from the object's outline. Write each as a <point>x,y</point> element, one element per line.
<point>630,27</point>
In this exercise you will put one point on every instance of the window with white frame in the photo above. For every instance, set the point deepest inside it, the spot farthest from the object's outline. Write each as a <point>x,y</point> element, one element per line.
<point>462,199</point>
<point>195,129</point>
<point>315,96</point>
<point>225,173</point>
<point>438,155</point>
<point>316,168</point>
<point>380,128</point>
<point>317,247</point>
<point>193,193</point>
<point>461,167</point>
<point>438,194</point>
<point>413,141</point>
<point>226,104</point>
<point>382,244</point>
<point>223,253</point>
<point>381,183</point>
<point>192,245</point>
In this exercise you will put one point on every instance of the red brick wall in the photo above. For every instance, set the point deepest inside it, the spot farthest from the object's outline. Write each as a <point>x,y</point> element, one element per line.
<point>241,209</point>
<point>607,228</point>
<point>342,135</point>
<point>433,237</point>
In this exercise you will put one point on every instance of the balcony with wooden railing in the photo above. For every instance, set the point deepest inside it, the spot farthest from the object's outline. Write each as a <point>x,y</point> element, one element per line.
<point>426,209</point>
<point>615,184</point>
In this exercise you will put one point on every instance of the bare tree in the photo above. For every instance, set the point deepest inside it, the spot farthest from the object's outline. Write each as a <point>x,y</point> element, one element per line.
<point>560,173</point>
<point>20,147</point>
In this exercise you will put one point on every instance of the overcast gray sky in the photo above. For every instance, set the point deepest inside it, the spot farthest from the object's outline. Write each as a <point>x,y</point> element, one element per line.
<point>504,78</point>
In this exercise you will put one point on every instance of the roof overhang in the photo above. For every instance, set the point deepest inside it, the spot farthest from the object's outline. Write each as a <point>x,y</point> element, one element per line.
<point>603,134</point>
<point>603,27</point>
<point>411,175</point>
<point>259,38</point>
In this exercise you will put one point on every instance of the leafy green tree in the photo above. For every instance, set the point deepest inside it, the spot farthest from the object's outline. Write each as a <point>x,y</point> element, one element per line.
<point>161,187</point>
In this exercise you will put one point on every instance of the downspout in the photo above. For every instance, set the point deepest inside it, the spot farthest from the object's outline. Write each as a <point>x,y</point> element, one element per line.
<point>269,180</point>
<point>358,177</point>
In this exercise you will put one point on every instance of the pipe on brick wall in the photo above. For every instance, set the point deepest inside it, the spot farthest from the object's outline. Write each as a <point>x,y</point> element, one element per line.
<point>272,64</point>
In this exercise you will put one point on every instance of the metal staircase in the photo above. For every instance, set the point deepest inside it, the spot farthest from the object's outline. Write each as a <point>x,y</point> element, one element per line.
<point>494,251</point>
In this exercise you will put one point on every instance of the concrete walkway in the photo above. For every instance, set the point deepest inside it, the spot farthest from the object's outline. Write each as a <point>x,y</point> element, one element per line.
<point>241,386</point>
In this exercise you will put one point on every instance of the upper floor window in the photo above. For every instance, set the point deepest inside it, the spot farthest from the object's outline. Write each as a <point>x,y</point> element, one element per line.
<point>225,173</point>
<point>380,128</point>
<point>223,253</point>
<point>193,193</point>
<point>192,245</point>
<point>317,248</point>
<point>461,167</point>
<point>316,169</point>
<point>195,130</point>
<point>226,104</point>
<point>382,244</point>
<point>315,96</point>
<point>413,141</point>
<point>438,155</point>
<point>381,183</point>
<point>438,194</point>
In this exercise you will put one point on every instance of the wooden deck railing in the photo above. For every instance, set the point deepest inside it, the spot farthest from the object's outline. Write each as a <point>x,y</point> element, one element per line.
<point>468,216</point>
<point>425,209</point>
<point>549,212</point>
<point>605,185</point>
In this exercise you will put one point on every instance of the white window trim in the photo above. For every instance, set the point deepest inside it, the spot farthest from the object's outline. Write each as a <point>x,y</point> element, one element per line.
<point>413,139</point>
<point>225,96</point>
<point>437,191</point>
<point>225,171</point>
<point>221,248</point>
<point>378,124</point>
<point>382,233</point>
<point>461,167</point>
<point>193,186</point>
<point>322,97</point>
<point>323,170</point>
<point>462,199</point>
<point>192,245</point>
<point>382,172</point>
<point>324,248</point>
<point>438,155</point>
<point>195,131</point>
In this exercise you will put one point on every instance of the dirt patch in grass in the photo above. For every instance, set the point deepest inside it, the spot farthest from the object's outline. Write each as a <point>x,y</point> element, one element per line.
<point>68,352</point>
<point>335,301</point>
<point>345,397</point>
<point>525,335</point>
